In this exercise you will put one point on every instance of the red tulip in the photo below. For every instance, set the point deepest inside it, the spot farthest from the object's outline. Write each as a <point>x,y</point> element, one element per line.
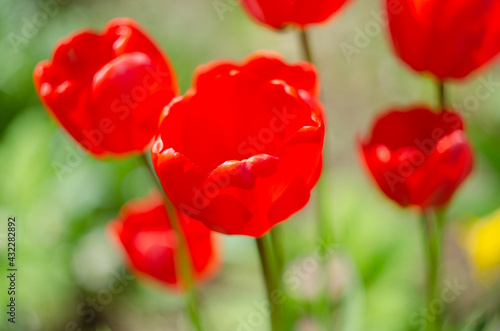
<point>107,90</point>
<point>243,148</point>
<point>418,157</point>
<point>144,231</point>
<point>448,38</point>
<point>280,13</point>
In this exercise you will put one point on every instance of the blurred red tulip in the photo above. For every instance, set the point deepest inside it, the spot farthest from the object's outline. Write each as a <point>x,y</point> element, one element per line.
<point>144,231</point>
<point>448,38</point>
<point>243,148</point>
<point>107,90</point>
<point>418,157</point>
<point>280,13</point>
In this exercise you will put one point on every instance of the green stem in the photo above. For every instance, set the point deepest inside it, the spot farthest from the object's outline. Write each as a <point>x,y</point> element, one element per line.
<point>433,240</point>
<point>271,279</point>
<point>442,94</point>
<point>306,46</point>
<point>186,268</point>
<point>324,226</point>
<point>275,237</point>
<point>325,230</point>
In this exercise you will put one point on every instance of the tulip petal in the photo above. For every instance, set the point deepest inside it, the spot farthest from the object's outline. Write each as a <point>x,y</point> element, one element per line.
<point>121,88</point>
<point>397,129</point>
<point>301,76</point>
<point>448,38</point>
<point>451,164</point>
<point>418,157</point>
<point>67,103</point>
<point>242,149</point>
<point>267,65</point>
<point>280,13</point>
<point>143,230</point>
<point>304,153</point>
<point>386,170</point>
<point>108,89</point>
<point>81,55</point>
<point>268,114</point>
<point>249,197</point>
<point>180,177</point>
<point>129,37</point>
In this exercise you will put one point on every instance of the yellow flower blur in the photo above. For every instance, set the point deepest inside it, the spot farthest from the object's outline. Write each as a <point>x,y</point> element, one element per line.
<point>483,244</point>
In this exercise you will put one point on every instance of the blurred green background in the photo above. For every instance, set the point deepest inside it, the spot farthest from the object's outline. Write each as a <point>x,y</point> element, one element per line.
<point>63,254</point>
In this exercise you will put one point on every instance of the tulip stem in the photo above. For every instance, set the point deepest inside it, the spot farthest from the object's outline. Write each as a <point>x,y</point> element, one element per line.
<point>433,240</point>
<point>324,226</point>
<point>275,236</point>
<point>306,46</point>
<point>442,94</point>
<point>186,268</point>
<point>271,278</point>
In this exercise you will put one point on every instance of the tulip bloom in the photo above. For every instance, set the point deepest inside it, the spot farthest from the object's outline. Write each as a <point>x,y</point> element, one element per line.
<point>143,230</point>
<point>448,38</point>
<point>280,13</point>
<point>418,157</point>
<point>242,149</point>
<point>107,90</point>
